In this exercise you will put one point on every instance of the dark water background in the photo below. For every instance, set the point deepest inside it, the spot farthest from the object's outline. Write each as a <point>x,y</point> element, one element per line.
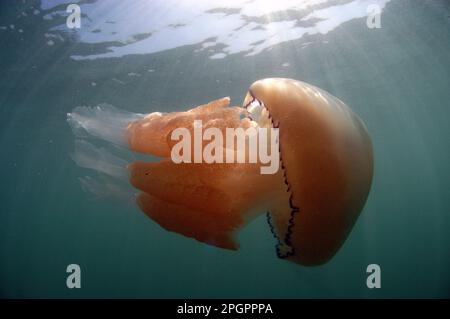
<point>396,78</point>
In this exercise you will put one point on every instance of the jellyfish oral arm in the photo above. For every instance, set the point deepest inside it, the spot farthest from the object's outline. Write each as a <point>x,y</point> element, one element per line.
<point>253,145</point>
<point>194,191</point>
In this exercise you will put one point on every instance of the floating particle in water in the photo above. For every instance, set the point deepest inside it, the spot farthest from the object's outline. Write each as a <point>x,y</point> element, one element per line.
<point>285,64</point>
<point>134,74</point>
<point>118,81</point>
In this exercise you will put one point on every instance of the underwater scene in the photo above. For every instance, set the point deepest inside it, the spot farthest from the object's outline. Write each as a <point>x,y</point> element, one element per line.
<point>225,149</point>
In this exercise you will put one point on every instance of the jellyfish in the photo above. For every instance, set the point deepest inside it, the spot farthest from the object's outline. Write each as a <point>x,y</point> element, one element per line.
<point>311,202</point>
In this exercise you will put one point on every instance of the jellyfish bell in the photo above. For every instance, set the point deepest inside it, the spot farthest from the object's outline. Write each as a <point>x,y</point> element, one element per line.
<point>312,200</point>
<point>326,155</point>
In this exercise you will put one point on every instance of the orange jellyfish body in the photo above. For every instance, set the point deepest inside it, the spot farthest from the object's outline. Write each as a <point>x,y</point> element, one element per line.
<point>312,201</point>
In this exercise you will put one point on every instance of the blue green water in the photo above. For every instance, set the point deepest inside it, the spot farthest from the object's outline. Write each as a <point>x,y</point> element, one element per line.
<point>166,56</point>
